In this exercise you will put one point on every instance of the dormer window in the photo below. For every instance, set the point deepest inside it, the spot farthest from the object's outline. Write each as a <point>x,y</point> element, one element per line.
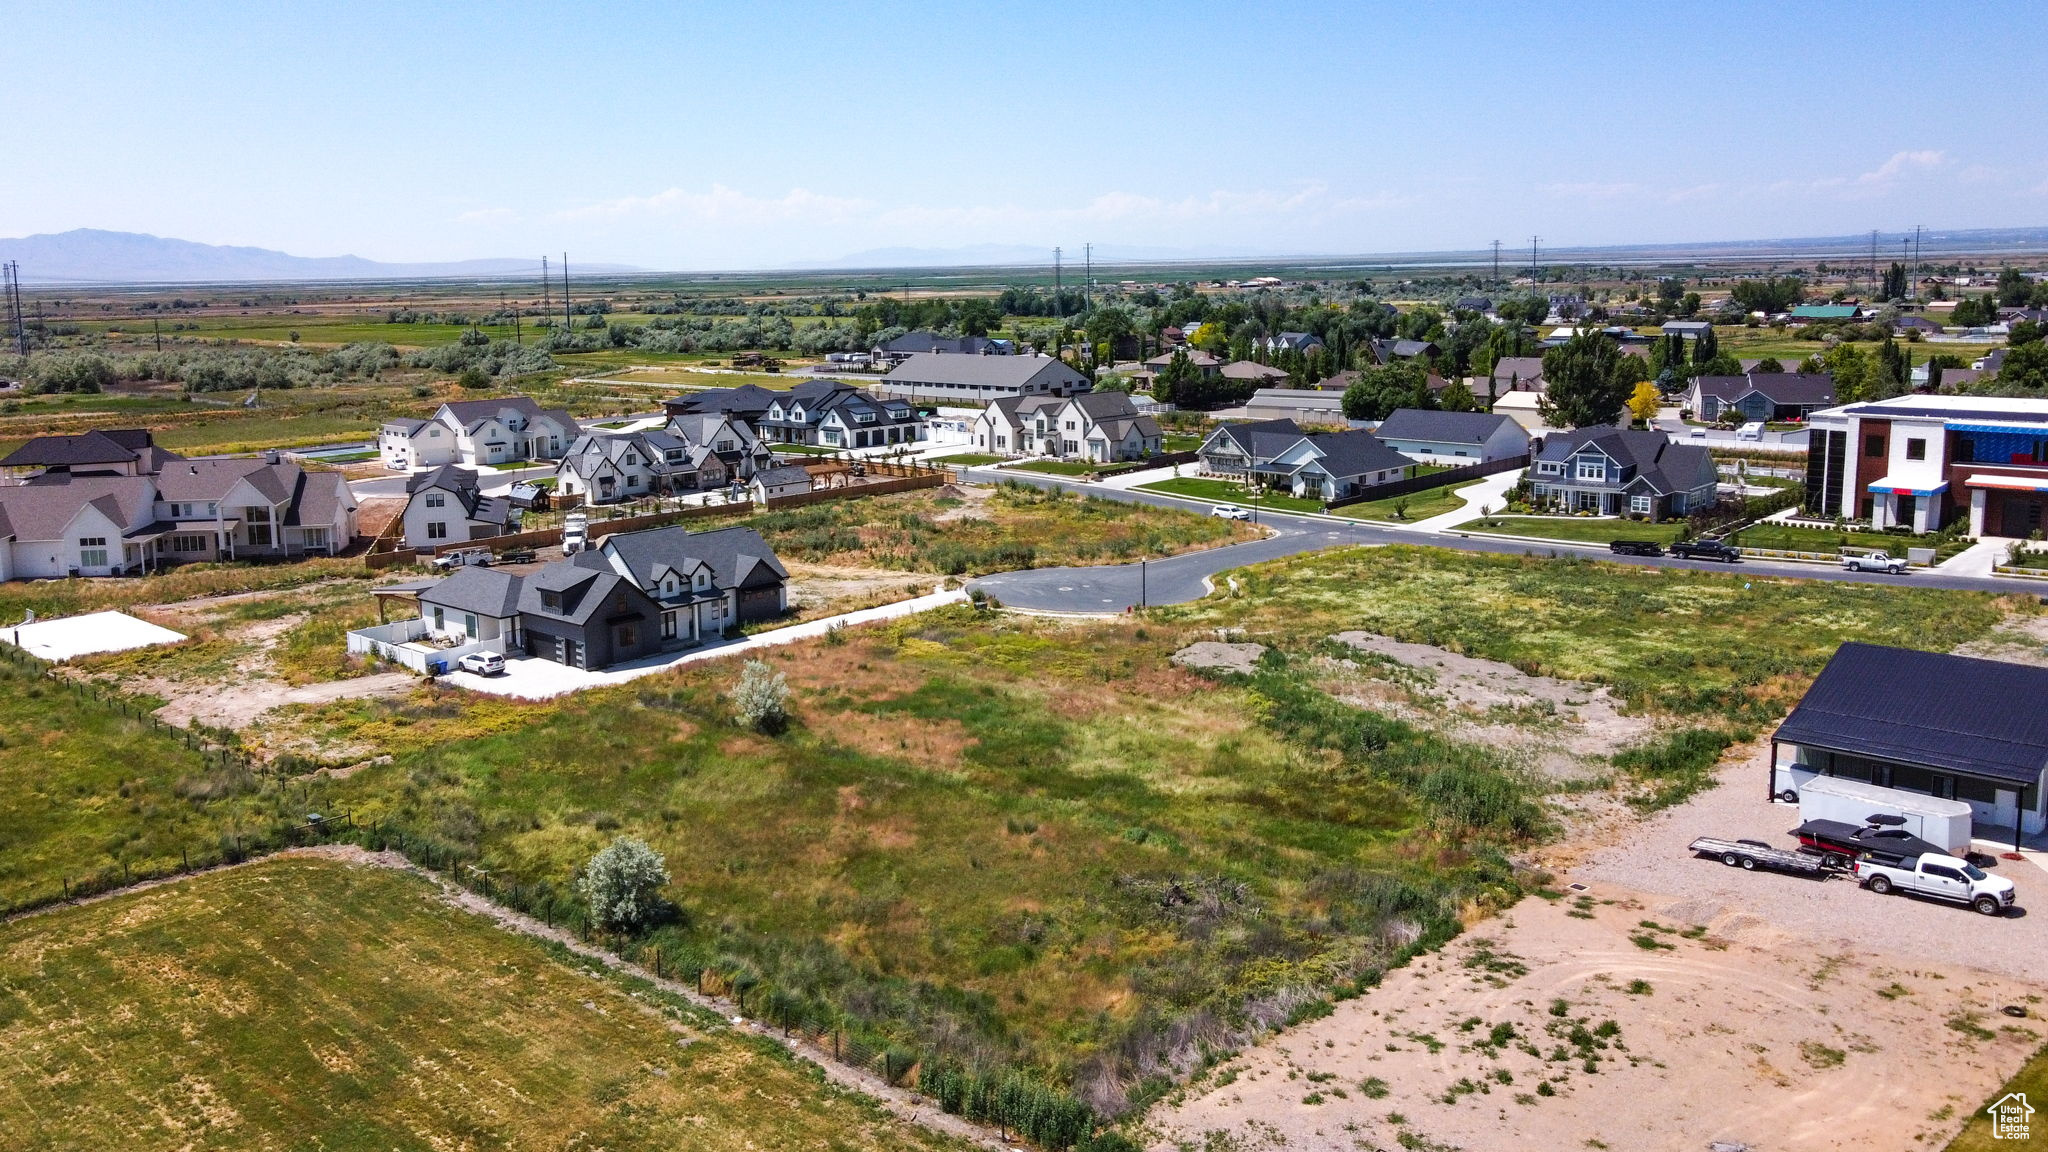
<point>703,581</point>
<point>552,601</point>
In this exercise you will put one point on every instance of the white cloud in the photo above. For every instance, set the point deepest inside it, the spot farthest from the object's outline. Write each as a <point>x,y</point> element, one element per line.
<point>723,205</point>
<point>1902,163</point>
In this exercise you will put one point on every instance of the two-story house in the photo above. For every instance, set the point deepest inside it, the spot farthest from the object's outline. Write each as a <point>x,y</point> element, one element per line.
<point>832,414</point>
<point>103,451</point>
<point>733,441</point>
<point>473,433</point>
<point>1612,471</point>
<point>1097,426</point>
<point>606,467</point>
<point>446,505</point>
<point>1234,450</point>
<point>86,524</point>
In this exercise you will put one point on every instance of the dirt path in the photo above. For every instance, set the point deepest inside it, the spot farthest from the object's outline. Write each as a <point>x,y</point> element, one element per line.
<point>238,705</point>
<point>904,1104</point>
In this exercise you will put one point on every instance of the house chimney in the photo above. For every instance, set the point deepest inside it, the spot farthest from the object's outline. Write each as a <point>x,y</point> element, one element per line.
<point>271,456</point>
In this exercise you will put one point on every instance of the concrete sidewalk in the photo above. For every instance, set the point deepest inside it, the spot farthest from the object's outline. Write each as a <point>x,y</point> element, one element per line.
<point>531,678</point>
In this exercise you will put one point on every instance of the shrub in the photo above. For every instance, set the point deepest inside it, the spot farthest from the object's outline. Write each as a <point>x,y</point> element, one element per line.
<point>761,698</point>
<point>622,884</point>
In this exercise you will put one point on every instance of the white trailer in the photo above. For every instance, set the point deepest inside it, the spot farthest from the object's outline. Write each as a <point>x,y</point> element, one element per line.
<point>1937,821</point>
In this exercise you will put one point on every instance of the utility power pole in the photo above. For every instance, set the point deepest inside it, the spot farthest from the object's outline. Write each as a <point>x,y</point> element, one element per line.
<point>1087,270</point>
<point>1496,261</point>
<point>547,290</point>
<point>13,286</point>
<point>568,314</point>
<point>1533,273</point>
<point>157,326</point>
<point>1056,277</point>
<point>1916,263</point>
<point>1873,256</point>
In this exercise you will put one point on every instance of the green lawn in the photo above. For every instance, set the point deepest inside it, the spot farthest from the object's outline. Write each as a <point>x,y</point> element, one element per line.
<point>1413,507</point>
<point>1797,538</point>
<point>1229,492</point>
<point>1056,467</point>
<point>2032,1080</point>
<point>1180,442</point>
<point>305,1003</point>
<point>968,460</point>
<point>1584,530</point>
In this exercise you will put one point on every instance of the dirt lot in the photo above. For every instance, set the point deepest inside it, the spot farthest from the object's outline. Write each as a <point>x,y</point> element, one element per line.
<point>1772,1013</point>
<point>820,590</point>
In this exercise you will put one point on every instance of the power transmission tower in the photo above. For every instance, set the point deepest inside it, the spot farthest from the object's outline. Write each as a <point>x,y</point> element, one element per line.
<point>1534,274</point>
<point>13,287</point>
<point>547,291</point>
<point>568,313</point>
<point>1916,263</point>
<point>1496,261</point>
<point>1873,256</point>
<point>1056,277</point>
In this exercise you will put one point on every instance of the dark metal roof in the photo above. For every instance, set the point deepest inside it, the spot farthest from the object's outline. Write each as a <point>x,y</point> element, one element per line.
<point>1441,427</point>
<point>1981,718</point>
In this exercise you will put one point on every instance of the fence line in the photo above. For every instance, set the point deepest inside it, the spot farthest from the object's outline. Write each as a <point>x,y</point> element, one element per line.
<point>1431,480</point>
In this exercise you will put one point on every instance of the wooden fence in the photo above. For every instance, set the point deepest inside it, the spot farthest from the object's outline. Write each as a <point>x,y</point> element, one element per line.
<point>1432,480</point>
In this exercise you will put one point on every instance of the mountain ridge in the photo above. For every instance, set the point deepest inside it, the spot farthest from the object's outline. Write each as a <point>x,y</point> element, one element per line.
<point>102,256</point>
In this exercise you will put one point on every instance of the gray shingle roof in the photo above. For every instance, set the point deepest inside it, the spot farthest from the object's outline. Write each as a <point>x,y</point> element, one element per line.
<point>736,556</point>
<point>932,342</point>
<point>484,591</point>
<point>1355,453</point>
<point>1778,387</point>
<point>1954,713</point>
<point>1441,427</point>
<point>103,446</point>
<point>984,371</point>
<point>41,509</point>
<point>785,474</point>
<point>585,590</point>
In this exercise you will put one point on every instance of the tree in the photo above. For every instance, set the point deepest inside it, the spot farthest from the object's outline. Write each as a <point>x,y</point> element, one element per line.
<point>622,884</point>
<point>1769,295</point>
<point>1458,398</point>
<point>1380,390</point>
<point>1583,381</point>
<point>1109,324</point>
<point>1851,370</point>
<point>2024,332</point>
<point>2015,290</point>
<point>1706,347</point>
<point>1894,282</point>
<point>2025,371</point>
<point>473,377</point>
<point>1975,311</point>
<point>1176,382</point>
<point>979,317</point>
<point>761,698</point>
<point>1643,402</point>
<point>1770,364</point>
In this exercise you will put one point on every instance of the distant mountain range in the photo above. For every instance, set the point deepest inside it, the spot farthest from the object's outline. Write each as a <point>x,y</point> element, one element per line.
<point>94,256</point>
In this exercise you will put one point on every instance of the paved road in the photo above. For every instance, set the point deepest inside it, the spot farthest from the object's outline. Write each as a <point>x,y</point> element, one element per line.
<point>1114,587</point>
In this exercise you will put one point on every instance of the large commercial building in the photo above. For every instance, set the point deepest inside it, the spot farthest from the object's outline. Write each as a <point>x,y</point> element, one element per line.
<point>1923,461</point>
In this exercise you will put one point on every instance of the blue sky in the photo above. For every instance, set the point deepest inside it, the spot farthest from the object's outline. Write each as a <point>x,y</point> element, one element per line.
<point>714,135</point>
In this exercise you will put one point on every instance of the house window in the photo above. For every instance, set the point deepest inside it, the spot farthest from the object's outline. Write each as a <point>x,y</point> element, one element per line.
<point>469,624</point>
<point>1639,504</point>
<point>1592,470</point>
<point>92,551</point>
<point>437,500</point>
<point>188,544</point>
<point>437,530</point>
<point>725,446</point>
<point>440,619</point>
<point>1916,449</point>
<point>1873,445</point>
<point>1550,468</point>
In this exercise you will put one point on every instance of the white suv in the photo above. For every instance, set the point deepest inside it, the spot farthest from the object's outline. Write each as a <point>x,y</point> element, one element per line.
<point>483,663</point>
<point>1230,512</point>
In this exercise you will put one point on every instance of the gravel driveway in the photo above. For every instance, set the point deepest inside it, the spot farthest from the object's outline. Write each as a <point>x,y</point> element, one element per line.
<point>1653,859</point>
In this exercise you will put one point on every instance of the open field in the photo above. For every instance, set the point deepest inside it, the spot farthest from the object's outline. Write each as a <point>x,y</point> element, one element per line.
<point>315,1003</point>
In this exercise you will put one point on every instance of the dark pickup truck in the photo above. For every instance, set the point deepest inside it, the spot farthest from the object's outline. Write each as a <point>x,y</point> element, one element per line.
<point>1838,843</point>
<point>1706,550</point>
<point>1635,548</point>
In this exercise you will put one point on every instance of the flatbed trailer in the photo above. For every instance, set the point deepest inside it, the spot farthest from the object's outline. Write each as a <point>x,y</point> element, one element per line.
<point>1754,854</point>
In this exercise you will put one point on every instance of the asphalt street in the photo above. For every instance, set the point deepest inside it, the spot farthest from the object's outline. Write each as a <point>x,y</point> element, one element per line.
<point>1112,588</point>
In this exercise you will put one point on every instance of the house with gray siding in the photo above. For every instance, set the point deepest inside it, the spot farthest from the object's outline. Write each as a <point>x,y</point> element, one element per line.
<point>1612,471</point>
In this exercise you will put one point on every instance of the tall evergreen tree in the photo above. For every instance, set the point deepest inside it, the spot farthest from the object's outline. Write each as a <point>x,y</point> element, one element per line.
<point>1706,347</point>
<point>1584,377</point>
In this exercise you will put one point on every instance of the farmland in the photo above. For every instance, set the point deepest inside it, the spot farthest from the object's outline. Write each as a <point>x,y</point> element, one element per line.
<point>336,1006</point>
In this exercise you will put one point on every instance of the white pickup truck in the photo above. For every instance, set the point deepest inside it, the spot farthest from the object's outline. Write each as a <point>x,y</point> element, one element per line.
<point>1873,562</point>
<point>1942,877</point>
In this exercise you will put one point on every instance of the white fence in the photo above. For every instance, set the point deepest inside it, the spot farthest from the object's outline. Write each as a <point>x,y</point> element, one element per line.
<point>408,644</point>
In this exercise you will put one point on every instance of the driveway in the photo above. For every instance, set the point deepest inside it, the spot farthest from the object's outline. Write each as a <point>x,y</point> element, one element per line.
<point>1111,588</point>
<point>531,678</point>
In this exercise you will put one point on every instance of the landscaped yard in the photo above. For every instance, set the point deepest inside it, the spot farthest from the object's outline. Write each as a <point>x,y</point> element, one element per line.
<point>1798,538</point>
<point>315,1004</point>
<point>968,460</point>
<point>1229,492</point>
<point>1407,509</point>
<point>1580,529</point>
<point>1056,467</point>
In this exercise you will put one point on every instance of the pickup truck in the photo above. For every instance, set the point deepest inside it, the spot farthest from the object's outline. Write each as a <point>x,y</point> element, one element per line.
<point>1942,877</point>
<point>1873,562</point>
<point>1635,548</point>
<point>461,557</point>
<point>1706,550</point>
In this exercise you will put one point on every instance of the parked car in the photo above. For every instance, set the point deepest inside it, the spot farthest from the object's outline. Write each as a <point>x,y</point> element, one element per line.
<point>463,557</point>
<point>1839,842</point>
<point>1942,877</point>
<point>483,663</point>
<point>1635,548</point>
<point>1707,550</point>
<point>1754,430</point>
<point>1698,432</point>
<point>1230,512</point>
<point>1878,561</point>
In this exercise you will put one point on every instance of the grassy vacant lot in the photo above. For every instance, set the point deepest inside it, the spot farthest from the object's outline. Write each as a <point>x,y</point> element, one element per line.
<point>85,788</point>
<point>1229,492</point>
<point>1583,530</point>
<point>69,597</point>
<point>317,1004</point>
<point>1017,526</point>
